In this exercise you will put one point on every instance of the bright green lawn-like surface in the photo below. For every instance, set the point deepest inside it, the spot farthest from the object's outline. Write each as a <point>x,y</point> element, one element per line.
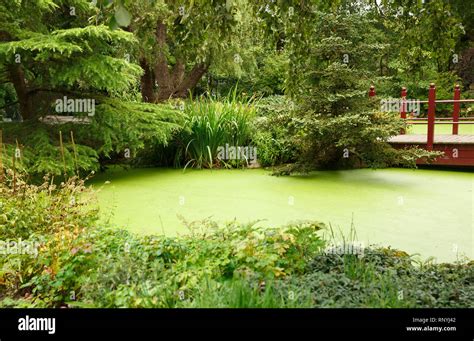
<point>442,129</point>
<point>420,211</point>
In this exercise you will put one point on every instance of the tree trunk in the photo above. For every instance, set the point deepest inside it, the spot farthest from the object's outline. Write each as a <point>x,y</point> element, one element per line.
<point>17,77</point>
<point>178,73</point>
<point>147,82</point>
<point>174,83</point>
<point>191,80</point>
<point>162,74</point>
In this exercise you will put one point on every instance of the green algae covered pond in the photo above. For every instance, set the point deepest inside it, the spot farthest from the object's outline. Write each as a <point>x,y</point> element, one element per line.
<point>441,129</point>
<point>428,212</point>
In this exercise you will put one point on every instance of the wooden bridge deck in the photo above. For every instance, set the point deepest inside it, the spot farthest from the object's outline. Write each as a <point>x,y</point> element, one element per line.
<point>438,139</point>
<point>458,150</point>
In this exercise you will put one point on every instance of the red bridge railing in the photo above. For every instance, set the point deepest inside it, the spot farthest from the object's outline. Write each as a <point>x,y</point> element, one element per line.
<point>431,119</point>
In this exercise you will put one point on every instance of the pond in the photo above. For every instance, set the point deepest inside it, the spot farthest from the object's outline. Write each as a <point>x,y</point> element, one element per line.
<point>441,129</point>
<point>429,212</point>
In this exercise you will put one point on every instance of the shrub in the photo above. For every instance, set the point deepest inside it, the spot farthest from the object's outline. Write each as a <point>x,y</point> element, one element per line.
<point>53,221</point>
<point>276,127</point>
<point>115,127</point>
<point>27,209</point>
<point>164,272</point>
<point>356,140</point>
<point>386,278</point>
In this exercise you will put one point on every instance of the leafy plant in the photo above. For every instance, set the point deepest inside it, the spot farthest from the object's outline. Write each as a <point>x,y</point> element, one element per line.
<point>276,127</point>
<point>211,124</point>
<point>117,128</point>
<point>52,220</point>
<point>387,278</point>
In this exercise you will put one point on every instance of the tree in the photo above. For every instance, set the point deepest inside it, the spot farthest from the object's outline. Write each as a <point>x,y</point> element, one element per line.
<point>44,55</point>
<point>49,50</point>
<point>180,40</point>
<point>331,50</point>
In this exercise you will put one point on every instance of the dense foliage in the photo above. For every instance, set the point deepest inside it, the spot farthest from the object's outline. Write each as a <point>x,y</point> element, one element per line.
<point>117,132</point>
<point>276,131</point>
<point>321,55</point>
<point>58,54</point>
<point>166,83</point>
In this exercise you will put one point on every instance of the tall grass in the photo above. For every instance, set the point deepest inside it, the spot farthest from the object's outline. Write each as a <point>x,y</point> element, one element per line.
<point>210,124</point>
<point>239,293</point>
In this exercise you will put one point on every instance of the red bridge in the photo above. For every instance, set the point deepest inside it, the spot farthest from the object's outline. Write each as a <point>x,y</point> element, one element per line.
<point>458,149</point>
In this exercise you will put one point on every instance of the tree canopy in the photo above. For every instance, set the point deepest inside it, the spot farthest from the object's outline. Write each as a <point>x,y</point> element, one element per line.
<point>132,56</point>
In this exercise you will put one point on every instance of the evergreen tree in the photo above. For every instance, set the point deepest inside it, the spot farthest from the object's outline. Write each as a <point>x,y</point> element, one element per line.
<point>332,54</point>
<point>49,50</point>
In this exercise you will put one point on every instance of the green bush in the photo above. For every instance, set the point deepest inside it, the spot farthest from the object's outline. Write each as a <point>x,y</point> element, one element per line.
<point>45,209</point>
<point>115,128</point>
<point>386,278</point>
<point>52,220</point>
<point>276,127</point>
<point>169,272</point>
<point>356,140</point>
<point>111,268</point>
